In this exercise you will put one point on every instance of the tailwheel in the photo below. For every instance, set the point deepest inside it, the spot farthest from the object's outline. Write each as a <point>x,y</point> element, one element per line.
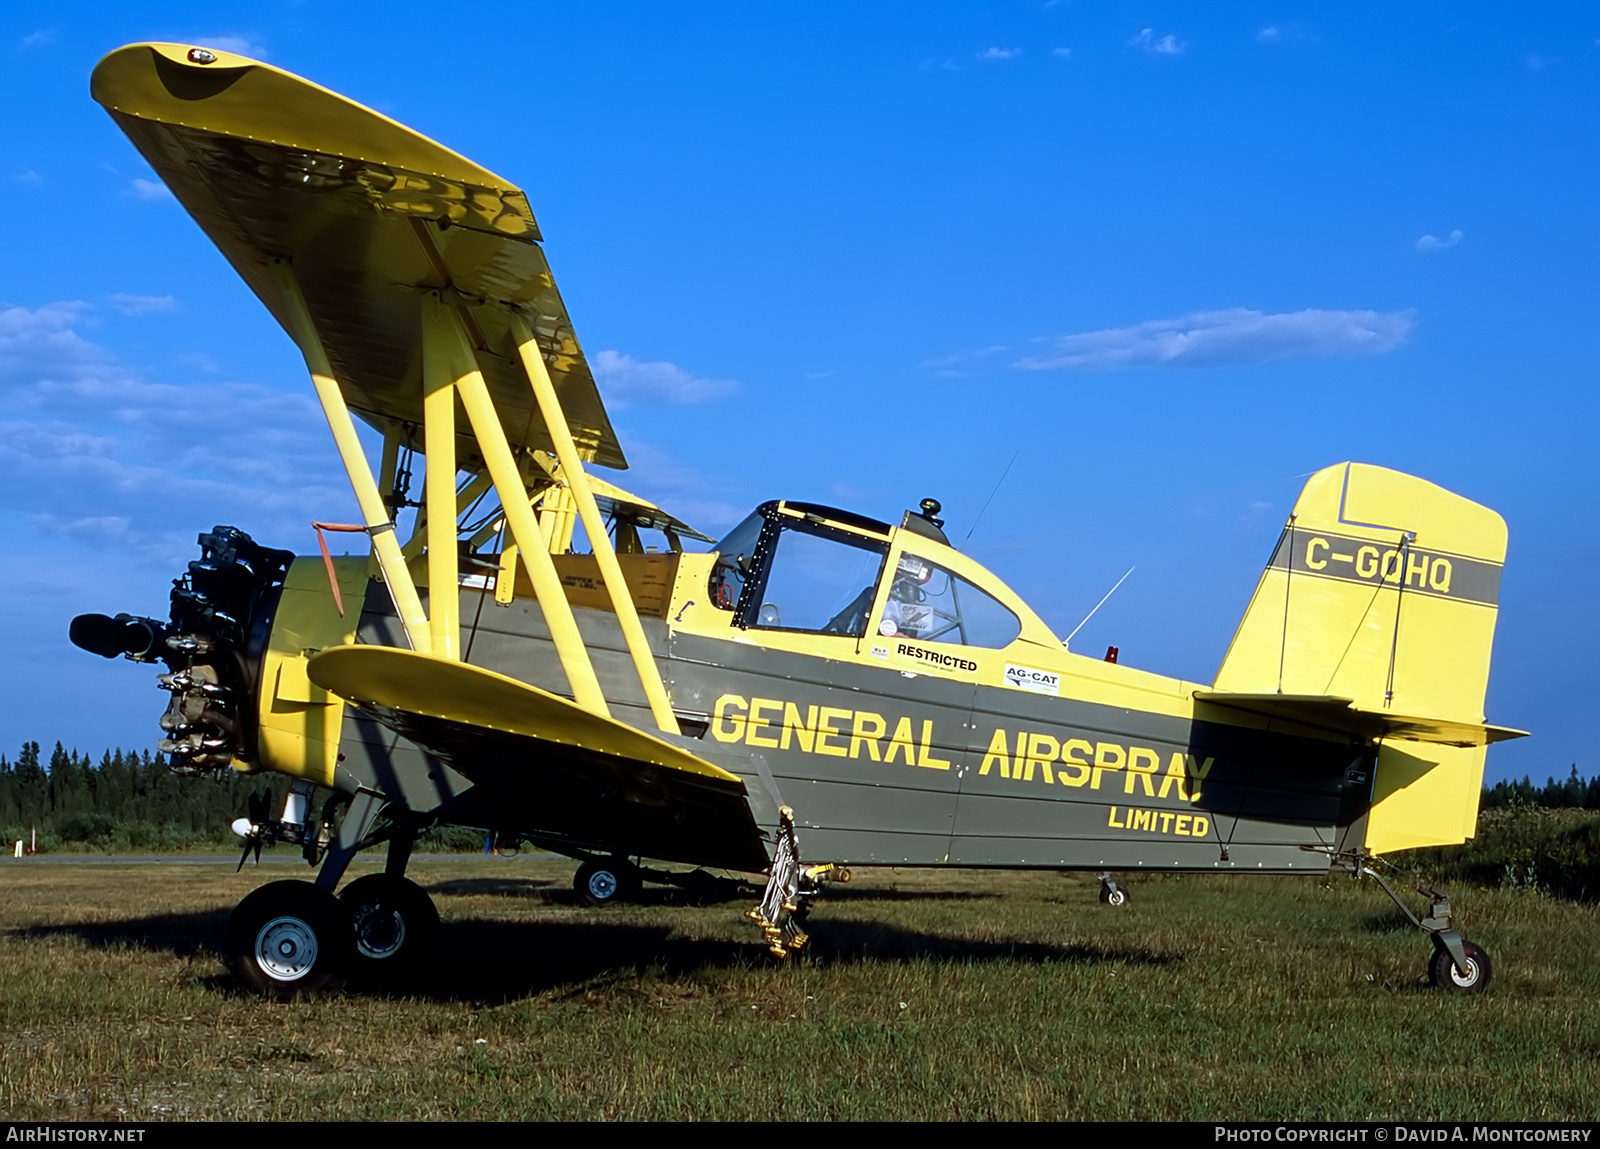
<point>1464,971</point>
<point>395,925</point>
<point>1447,975</point>
<point>607,882</point>
<point>1112,894</point>
<point>288,939</point>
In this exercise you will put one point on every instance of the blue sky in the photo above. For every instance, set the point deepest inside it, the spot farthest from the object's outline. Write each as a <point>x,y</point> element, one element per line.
<point>1168,258</point>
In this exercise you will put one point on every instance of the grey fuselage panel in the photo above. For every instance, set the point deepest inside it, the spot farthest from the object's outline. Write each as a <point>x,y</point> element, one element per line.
<point>883,766</point>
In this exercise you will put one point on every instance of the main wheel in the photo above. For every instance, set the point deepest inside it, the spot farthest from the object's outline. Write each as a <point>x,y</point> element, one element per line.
<point>606,883</point>
<point>288,939</point>
<point>1445,974</point>
<point>394,922</point>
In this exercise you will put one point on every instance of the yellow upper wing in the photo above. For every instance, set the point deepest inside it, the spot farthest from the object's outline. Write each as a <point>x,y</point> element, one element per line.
<point>371,215</point>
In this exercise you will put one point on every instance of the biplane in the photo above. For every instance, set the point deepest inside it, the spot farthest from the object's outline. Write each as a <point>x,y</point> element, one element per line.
<point>818,689</point>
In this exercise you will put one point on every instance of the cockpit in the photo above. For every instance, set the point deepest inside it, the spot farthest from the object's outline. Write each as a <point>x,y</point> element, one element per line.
<point>801,567</point>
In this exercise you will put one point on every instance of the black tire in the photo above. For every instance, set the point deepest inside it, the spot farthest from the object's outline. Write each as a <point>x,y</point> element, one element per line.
<point>1116,897</point>
<point>606,883</point>
<point>394,926</point>
<point>288,940</point>
<point>1443,972</point>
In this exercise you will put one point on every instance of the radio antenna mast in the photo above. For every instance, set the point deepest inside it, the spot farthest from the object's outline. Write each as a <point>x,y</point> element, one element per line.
<point>990,499</point>
<point>1097,606</point>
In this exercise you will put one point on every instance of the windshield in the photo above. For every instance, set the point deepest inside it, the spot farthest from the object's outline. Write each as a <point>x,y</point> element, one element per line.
<point>781,573</point>
<point>820,581</point>
<point>735,561</point>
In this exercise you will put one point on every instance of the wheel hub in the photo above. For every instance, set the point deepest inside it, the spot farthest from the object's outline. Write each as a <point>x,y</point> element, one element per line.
<point>603,884</point>
<point>380,931</point>
<point>286,949</point>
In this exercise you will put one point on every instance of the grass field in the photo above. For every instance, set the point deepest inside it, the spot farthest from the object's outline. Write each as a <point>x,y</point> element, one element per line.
<point>923,996</point>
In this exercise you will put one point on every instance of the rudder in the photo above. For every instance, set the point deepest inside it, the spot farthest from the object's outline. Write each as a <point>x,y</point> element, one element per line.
<point>1383,589</point>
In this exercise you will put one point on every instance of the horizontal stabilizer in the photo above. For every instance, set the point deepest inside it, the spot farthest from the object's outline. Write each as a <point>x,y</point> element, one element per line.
<point>1331,713</point>
<point>454,692</point>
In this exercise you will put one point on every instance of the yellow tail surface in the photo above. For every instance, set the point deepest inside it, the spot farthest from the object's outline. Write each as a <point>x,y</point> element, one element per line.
<point>1383,590</point>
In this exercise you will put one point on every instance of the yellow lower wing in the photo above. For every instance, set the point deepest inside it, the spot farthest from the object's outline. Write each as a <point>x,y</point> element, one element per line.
<point>413,683</point>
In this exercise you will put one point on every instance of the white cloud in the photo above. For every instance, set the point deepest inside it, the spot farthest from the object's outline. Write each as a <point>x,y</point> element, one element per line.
<point>91,451</point>
<point>142,304</point>
<point>44,334</point>
<point>29,178</point>
<point>239,43</point>
<point>1168,45</point>
<point>962,363</point>
<point>23,324</point>
<point>198,360</point>
<point>997,53</point>
<point>1268,34</point>
<point>149,189</point>
<point>678,489</point>
<point>624,380</point>
<point>1232,336</point>
<point>1061,53</point>
<point>42,36</point>
<point>117,534</point>
<point>1434,243</point>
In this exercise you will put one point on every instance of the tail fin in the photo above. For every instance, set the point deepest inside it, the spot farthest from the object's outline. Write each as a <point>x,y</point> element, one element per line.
<point>1383,590</point>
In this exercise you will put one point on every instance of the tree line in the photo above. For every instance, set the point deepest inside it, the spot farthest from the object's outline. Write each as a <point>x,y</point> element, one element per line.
<point>1571,792</point>
<point>130,799</point>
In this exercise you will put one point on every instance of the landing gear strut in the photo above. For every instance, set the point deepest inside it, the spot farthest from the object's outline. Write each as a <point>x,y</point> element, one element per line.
<point>289,939</point>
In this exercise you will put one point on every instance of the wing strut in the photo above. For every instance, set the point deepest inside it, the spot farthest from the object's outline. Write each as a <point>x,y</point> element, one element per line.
<point>439,445</point>
<point>407,604</point>
<point>578,483</point>
<point>451,368</point>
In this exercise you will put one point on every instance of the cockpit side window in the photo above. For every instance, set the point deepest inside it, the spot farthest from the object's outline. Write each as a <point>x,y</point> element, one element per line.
<point>929,603</point>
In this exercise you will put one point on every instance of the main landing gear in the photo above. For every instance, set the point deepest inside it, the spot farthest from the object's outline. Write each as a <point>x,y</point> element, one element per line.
<point>614,880</point>
<point>287,940</point>
<point>395,927</point>
<point>293,939</point>
<point>607,881</point>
